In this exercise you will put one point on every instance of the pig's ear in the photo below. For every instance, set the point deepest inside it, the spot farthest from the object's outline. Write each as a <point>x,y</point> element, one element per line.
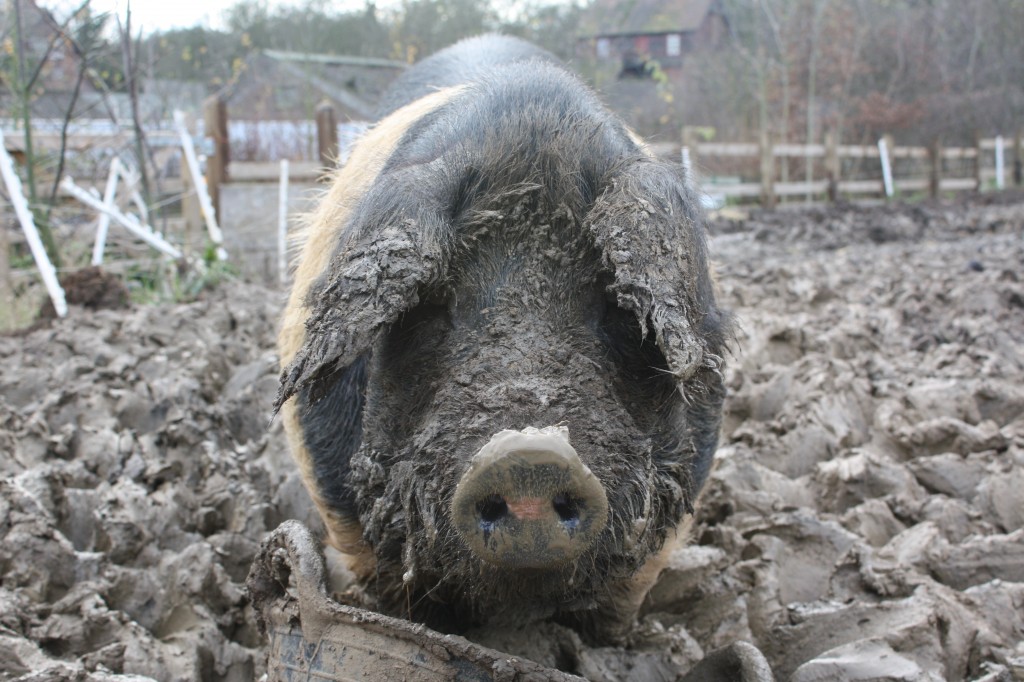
<point>648,224</point>
<point>386,256</point>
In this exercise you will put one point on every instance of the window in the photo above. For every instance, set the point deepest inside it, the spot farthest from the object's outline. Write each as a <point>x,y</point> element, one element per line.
<point>673,45</point>
<point>604,48</point>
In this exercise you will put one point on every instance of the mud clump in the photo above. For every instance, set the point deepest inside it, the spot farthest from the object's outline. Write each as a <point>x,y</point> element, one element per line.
<point>864,518</point>
<point>91,287</point>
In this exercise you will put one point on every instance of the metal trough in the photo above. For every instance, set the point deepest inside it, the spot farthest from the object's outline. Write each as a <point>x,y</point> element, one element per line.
<point>311,636</point>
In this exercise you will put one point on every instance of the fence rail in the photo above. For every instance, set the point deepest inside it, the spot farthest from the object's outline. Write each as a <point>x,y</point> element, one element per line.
<point>769,171</point>
<point>765,171</point>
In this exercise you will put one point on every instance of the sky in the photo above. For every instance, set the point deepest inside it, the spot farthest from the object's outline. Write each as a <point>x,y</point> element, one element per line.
<point>161,15</point>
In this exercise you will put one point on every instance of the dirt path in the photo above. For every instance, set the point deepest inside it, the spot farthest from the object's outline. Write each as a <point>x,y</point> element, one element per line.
<point>865,519</point>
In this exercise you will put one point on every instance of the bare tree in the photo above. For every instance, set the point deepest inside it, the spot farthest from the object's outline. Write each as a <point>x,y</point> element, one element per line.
<point>24,78</point>
<point>131,74</point>
<point>84,41</point>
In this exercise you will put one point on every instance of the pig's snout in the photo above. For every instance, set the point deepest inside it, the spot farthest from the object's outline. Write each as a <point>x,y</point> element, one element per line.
<point>527,501</point>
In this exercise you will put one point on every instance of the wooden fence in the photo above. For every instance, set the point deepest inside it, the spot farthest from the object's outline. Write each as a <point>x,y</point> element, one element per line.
<point>763,170</point>
<point>257,219</point>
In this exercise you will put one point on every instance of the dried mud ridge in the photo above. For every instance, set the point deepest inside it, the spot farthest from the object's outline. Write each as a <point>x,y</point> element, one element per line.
<point>865,518</point>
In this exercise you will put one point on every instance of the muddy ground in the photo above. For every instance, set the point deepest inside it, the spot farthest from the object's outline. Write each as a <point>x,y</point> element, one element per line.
<point>865,519</point>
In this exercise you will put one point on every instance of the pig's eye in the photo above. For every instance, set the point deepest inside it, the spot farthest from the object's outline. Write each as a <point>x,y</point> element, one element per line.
<point>636,356</point>
<point>640,373</point>
<point>421,328</point>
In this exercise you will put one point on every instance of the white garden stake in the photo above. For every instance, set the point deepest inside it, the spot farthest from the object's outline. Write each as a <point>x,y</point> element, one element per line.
<point>132,179</point>
<point>282,225</point>
<point>28,226</point>
<point>129,222</point>
<point>103,224</point>
<point>200,183</point>
<point>118,172</point>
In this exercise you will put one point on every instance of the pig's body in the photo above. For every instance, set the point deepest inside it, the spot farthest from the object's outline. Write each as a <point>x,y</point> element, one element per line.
<point>502,351</point>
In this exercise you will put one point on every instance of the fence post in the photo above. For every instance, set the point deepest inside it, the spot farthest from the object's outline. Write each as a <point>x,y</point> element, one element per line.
<point>1018,160</point>
<point>832,167</point>
<point>190,209</point>
<point>282,225</point>
<point>326,134</point>
<point>215,122</point>
<point>6,288</point>
<point>767,171</point>
<point>978,184</point>
<point>202,191</point>
<point>1000,164</point>
<point>690,141</point>
<point>885,149</point>
<point>935,172</point>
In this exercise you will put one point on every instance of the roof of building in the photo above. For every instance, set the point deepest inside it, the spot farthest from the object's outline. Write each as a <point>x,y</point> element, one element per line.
<point>333,59</point>
<point>631,17</point>
<point>353,84</point>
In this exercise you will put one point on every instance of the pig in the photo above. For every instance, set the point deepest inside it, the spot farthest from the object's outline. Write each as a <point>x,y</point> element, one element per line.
<point>502,353</point>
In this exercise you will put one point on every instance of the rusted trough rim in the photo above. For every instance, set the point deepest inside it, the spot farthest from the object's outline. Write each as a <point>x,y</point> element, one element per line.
<point>292,551</point>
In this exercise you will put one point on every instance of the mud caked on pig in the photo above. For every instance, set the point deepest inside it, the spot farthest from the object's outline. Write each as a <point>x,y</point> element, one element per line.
<point>502,354</point>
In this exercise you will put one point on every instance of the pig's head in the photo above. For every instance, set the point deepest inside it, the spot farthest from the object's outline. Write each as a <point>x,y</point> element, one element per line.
<point>509,384</point>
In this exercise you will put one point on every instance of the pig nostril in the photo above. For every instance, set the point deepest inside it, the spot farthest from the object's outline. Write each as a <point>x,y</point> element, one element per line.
<point>567,508</point>
<point>527,501</point>
<point>492,509</point>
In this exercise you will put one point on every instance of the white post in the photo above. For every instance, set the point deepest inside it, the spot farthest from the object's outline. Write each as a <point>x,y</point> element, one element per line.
<point>132,179</point>
<point>143,232</point>
<point>141,205</point>
<point>103,224</point>
<point>200,183</point>
<point>686,161</point>
<point>1000,167</point>
<point>883,153</point>
<point>28,225</point>
<point>282,225</point>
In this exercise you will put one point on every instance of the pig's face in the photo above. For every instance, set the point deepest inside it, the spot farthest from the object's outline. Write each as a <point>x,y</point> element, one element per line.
<point>509,378</point>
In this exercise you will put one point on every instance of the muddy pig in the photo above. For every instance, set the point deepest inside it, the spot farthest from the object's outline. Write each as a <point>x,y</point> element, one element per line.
<point>502,355</point>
